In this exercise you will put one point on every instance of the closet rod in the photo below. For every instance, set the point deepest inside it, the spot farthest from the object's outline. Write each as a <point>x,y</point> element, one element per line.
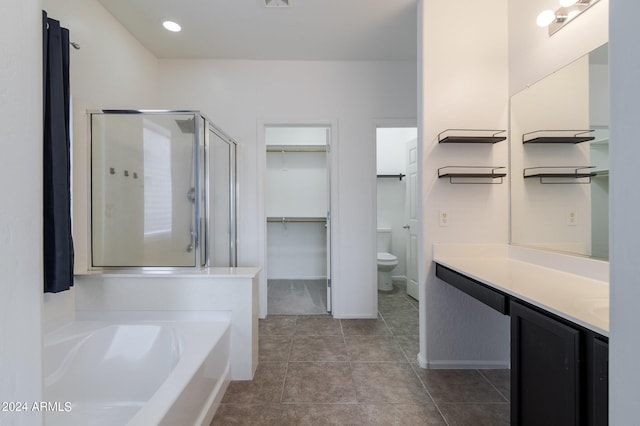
<point>296,219</point>
<point>309,148</point>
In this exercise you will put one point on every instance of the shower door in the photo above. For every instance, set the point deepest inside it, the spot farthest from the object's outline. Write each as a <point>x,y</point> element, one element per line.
<point>145,192</point>
<point>222,198</point>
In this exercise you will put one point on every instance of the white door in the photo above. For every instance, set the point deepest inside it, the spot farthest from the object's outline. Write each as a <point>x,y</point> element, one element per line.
<point>411,215</point>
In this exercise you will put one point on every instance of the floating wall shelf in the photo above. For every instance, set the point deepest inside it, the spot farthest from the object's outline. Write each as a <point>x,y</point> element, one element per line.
<point>472,174</point>
<point>561,174</point>
<point>474,136</point>
<point>565,136</point>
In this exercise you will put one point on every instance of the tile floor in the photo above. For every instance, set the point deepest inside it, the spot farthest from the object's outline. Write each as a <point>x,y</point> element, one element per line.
<point>316,370</point>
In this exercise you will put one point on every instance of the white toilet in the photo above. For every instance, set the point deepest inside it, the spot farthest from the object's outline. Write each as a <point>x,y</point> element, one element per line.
<point>386,261</point>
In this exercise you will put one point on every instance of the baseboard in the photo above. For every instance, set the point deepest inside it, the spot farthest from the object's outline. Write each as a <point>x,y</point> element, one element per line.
<point>399,279</point>
<point>466,365</point>
<point>356,316</point>
<point>422,361</point>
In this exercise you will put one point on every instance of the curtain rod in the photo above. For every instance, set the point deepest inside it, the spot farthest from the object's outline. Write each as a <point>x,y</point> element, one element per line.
<point>398,176</point>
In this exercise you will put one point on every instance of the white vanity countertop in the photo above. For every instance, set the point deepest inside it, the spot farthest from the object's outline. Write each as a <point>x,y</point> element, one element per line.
<point>578,293</point>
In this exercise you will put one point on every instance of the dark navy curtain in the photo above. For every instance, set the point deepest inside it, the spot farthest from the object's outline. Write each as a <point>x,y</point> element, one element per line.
<point>58,245</point>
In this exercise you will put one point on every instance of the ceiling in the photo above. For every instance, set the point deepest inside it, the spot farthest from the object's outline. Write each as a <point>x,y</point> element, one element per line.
<point>246,29</point>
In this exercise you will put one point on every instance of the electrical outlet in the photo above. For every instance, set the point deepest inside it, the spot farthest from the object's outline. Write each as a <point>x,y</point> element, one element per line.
<point>572,217</point>
<point>444,218</point>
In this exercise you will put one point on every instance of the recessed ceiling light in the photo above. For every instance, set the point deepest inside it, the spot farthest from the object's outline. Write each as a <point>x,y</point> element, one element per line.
<point>278,3</point>
<point>171,26</point>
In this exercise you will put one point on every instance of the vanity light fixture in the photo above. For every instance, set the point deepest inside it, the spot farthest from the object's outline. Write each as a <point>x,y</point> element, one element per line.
<point>568,11</point>
<point>171,26</point>
<point>545,18</point>
<point>568,3</point>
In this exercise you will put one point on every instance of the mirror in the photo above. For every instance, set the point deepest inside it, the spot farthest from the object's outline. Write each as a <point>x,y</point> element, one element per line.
<point>560,159</point>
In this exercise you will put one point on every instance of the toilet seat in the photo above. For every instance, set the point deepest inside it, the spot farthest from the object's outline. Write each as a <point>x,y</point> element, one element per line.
<point>386,258</point>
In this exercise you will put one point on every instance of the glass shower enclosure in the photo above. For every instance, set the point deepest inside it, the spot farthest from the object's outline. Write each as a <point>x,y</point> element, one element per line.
<point>163,190</point>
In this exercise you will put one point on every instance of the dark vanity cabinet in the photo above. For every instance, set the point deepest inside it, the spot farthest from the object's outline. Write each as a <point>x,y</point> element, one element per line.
<point>559,371</point>
<point>545,370</point>
<point>597,397</point>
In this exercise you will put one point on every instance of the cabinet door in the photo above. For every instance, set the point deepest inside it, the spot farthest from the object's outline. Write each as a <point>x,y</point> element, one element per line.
<point>545,370</point>
<point>598,386</point>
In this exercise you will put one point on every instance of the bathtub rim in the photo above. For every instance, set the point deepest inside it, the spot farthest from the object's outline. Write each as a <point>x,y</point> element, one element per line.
<point>192,358</point>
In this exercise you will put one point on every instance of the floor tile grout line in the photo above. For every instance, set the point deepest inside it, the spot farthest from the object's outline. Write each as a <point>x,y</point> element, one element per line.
<point>493,385</point>
<point>353,380</point>
<point>416,373</point>
<point>286,366</point>
<point>424,385</point>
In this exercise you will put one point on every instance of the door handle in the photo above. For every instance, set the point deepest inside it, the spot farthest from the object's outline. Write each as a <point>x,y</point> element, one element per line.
<point>406,226</point>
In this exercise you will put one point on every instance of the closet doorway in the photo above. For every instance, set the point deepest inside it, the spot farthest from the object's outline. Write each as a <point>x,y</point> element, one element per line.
<point>297,207</point>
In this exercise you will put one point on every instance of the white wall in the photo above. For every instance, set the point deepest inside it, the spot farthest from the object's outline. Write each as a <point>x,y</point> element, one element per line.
<point>111,70</point>
<point>463,84</point>
<point>624,345</point>
<point>533,54</point>
<point>391,150</point>
<point>296,184</point>
<point>21,213</point>
<point>599,94</point>
<point>296,251</point>
<point>239,95</point>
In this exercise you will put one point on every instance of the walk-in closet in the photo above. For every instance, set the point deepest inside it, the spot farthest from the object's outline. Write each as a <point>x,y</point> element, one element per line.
<point>297,206</point>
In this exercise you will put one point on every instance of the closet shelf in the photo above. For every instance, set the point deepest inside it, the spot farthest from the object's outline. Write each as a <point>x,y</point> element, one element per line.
<point>296,148</point>
<point>398,176</point>
<point>472,174</point>
<point>280,219</point>
<point>566,137</point>
<point>474,136</point>
<point>561,174</point>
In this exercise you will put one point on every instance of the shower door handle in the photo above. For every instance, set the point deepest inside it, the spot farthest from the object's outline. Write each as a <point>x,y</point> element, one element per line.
<point>190,246</point>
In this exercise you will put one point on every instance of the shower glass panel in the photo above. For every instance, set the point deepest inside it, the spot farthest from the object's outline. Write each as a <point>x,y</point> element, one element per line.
<point>149,183</point>
<point>221,192</point>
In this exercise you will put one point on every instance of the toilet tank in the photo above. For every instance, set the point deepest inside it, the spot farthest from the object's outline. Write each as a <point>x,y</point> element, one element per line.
<point>384,240</point>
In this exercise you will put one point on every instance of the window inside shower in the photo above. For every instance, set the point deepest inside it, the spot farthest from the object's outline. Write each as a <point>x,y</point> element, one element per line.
<point>152,203</point>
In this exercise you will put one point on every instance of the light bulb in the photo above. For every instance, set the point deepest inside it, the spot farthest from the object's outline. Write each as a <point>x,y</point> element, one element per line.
<point>171,26</point>
<point>545,18</point>
<point>568,3</point>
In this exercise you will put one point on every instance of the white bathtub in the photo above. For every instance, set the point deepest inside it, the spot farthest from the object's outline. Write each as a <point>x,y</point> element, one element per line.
<point>135,373</point>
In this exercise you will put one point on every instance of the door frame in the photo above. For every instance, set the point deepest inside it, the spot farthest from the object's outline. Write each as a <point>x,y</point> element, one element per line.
<point>394,123</point>
<point>261,156</point>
